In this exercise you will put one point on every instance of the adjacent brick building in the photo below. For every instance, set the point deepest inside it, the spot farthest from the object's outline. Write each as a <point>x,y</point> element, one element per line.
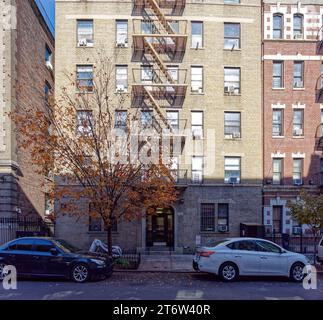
<point>292,67</point>
<point>217,65</point>
<point>26,74</point>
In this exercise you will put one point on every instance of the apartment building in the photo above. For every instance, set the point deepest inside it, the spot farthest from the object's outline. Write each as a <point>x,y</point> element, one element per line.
<point>292,71</point>
<point>26,75</point>
<point>208,88</point>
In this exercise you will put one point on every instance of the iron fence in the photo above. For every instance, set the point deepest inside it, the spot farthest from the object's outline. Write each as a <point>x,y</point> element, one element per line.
<point>130,260</point>
<point>12,228</point>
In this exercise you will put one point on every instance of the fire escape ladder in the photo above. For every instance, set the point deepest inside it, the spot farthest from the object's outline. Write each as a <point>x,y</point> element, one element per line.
<point>156,107</point>
<point>160,15</point>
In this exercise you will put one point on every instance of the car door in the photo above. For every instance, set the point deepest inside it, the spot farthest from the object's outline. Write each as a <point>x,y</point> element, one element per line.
<point>273,261</point>
<point>20,253</point>
<point>245,255</point>
<point>45,262</point>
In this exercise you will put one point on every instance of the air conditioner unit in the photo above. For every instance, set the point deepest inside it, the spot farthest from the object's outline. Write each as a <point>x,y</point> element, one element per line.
<point>298,132</point>
<point>82,43</point>
<point>121,44</point>
<point>223,228</point>
<point>236,135</point>
<point>121,88</point>
<point>297,230</point>
<point>197,134</point>
<point>298,182</point>
<point>298,84</point>
<point>47,212</point>
<point>197,89</point>
<point>228,136</point>
<point>229,89</point>
<point>298,36</point>
<point>49,65</point>
<point>233,180</point>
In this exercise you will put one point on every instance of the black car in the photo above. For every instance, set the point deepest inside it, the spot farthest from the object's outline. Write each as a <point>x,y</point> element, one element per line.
<point>48,257</point>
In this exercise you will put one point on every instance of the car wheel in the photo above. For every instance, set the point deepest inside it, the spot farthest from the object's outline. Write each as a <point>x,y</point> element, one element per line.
<point>2,273</point>
<point>80,273</point>
<point>297,272</point>
<point>229,272</point>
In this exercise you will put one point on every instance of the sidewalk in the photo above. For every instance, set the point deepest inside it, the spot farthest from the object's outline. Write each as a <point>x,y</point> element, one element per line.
<point>166,263</point>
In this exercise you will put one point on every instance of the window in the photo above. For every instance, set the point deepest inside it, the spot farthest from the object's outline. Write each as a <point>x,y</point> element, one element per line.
<point>232,36</point>
<point>84,78</point>
<point>231,1</point>
<point>207,217</point>
<point>121,78</point>
<point>197,124</point>
<point>173,119</point>
<point>197,34</point>
<point>299,74</point>
<point>278,80</point>
<point>277,219</point>
<point>22,245</point>
<point>84,122</point>
<point>146,118</point>
<point>298,26</point>
<point>43,246</point>
<point>96,222</point>
<point>278,26</point>
<point>147,74</point>
<point>48,57</point>
<point>120,120</point>
<point>245,245</point>
<point>232,170</point>
<point>223,214</point>
<point>122,33</point>
<point>48,204</point>
<point>197,169</point>
<point>174,168</point>
<point>85,33</point>
<point>298,123</point>
<point>265,246</point>
<point>298,171</point>
<point>277,171</point>
<point>278,130</point>
<point>232,124</point>
<point>232,80</point>
<point>197,79</point>
<point>47,90</point>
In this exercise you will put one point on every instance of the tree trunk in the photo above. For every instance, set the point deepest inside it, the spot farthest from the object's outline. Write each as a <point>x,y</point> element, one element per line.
<point>109,239</point>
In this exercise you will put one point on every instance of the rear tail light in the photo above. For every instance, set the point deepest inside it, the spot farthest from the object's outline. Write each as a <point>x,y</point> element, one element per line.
<point>206,254</point>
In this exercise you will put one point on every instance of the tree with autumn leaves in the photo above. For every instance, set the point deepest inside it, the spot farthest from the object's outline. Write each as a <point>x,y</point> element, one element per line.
<point>115,164</point>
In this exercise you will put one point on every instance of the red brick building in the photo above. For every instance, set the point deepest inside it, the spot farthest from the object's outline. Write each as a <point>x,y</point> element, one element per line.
<point>26,75</point>
<point>292,66</point>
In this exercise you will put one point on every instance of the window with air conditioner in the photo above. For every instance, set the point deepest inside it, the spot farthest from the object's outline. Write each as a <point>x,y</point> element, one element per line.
<point>121,79</point>
<point>232,170</point>
<point>298,22</point>
<point>232,125</point>
<point>298,74</point>
<point>197,34</point>
<point>232,79</point>
<point>122,33</point>
<point>298,172</point>
<point>85,37</point>
<point>197,169</point>
<point>298,123</point>
<point>223,217</point>
<point>197,124</point>
<point>197,79</point>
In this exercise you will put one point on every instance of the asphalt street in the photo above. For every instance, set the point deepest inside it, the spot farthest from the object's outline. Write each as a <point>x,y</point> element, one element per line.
<point>163,286</point>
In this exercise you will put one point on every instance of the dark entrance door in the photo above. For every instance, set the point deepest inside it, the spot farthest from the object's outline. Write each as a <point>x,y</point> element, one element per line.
<point>160,228</point>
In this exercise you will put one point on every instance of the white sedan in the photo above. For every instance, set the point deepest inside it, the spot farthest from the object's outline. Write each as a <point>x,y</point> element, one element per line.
<point>249,257</point>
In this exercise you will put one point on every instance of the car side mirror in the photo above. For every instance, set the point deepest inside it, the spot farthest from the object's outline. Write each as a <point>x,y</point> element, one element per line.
<point>54,252</point>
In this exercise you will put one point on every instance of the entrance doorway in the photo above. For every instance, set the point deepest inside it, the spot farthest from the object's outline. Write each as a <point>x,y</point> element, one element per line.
<point>160,228</point>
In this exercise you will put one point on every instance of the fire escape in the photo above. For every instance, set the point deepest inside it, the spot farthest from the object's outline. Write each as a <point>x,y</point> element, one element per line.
<point>157,45</point>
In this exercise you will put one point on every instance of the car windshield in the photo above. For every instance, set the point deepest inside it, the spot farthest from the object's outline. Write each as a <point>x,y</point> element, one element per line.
<point>67,247</point>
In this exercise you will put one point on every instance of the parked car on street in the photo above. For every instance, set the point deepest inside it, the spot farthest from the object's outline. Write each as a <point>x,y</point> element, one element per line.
<point>48,257</point>
<point>320,251</point>
<point>236,257</point>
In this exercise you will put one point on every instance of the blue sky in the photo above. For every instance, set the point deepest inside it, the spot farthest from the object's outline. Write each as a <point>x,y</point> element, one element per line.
<point>47,8</point>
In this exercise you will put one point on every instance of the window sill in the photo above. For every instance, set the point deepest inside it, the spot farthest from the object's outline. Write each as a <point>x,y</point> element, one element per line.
<point>298,137</point>
<point>299,89</point>
<point>84,47</point>
<point>232,95</point>
<point>232,139</point>
<point>234,50</point>
<point>121,92</point>
<point>197,94</point>
<point>278,137</point>
<point>279,89</point>
<point>199,48</point>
